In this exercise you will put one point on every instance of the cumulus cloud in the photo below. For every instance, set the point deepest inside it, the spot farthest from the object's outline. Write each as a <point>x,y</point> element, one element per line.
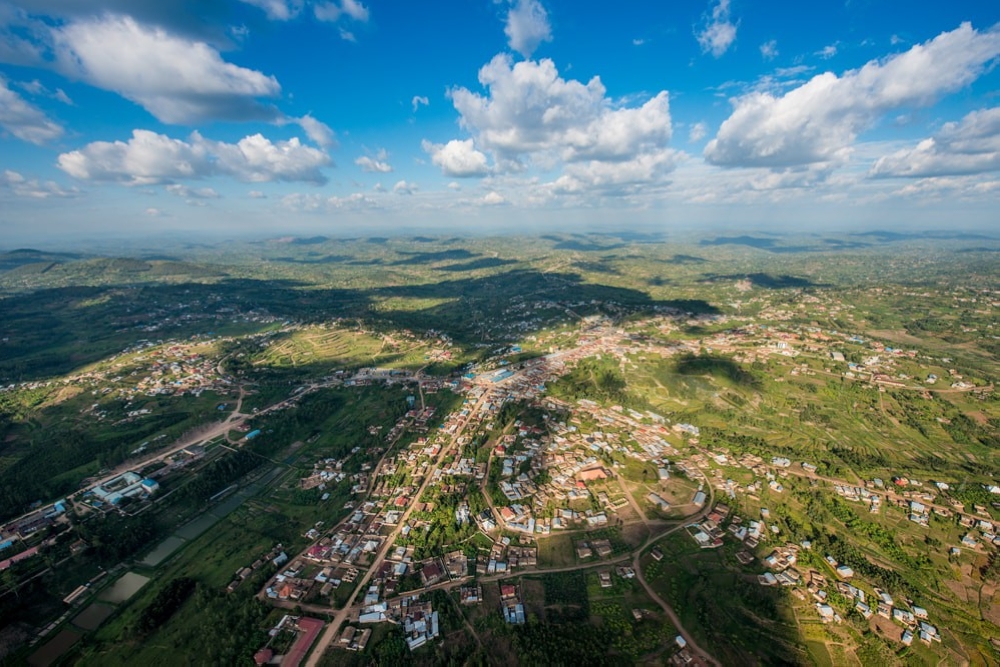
<point>23,119</point>
<point>376,164</point>
<point>493,198</point>
<point>621,176</point>
<point>404,188</point>
<point>532,117</point>
<point>150,158</point>
<point>177,79</point>
<point>256,194</point>
<point>818,121</point>
<point>417,101</point>
<point>970,146</point>
<point>527,26</point>
<point>278,10</point>
<point>769,50</point>
<point>457,158</point>
<point>531,109</point>
<point>32,188</point>
<point>719,32</point>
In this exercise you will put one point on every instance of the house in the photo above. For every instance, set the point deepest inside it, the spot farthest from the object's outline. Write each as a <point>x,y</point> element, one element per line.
<point>431,573</point>
<point>602,547</point>
<point>845,571</point>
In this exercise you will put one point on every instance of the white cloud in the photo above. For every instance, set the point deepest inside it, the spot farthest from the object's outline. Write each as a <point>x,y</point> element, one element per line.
<point>36,88</point>
<point>278,10</point>
<point>377,164</point>
<point>256,194</point>
<point>24,120</point>
<point>457,158</point>
<point>818,121</point>
<point>61,96</point>
<point>638,42</point>
<point>454,185</point>
<point>949,189</point>
<point>153,212</point>
<point>493,198</point>
<point>355,10</point>
<point>827,52</point>
<point>970,146</point>
<point>527,26</point>
<point>531,118</point>
<point>417,101</point>
<point>697,132</point>
<point>621,176</point>
<point>317,131</point>
<point>332,12</point>
<point>176,79</point>
<point>300,202</point>
<point>191,193</point>
<point>531,109</point>
<point>149,158</point>
<point>32,188</point>
<point>404,188</point>
<point>769,50</point>
<point>719,32</point>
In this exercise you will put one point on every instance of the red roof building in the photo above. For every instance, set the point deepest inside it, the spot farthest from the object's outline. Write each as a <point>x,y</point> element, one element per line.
<point>309,629</point>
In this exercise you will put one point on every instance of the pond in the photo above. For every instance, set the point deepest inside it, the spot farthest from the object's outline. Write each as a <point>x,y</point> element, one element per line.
<point>194,528</point>
<point>92,617</point>
<point>160,553</point>
<point>124,588</point>
<point>55,648</point>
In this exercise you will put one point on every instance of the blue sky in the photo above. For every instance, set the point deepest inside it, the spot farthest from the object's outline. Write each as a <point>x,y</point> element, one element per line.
<point>123,117</point>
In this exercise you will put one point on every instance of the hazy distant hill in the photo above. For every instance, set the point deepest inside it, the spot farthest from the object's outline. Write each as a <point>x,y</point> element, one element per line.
<point>27,256</point>
<point>53,270</point>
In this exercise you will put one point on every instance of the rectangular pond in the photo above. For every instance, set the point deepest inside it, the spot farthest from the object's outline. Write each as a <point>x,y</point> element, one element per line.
<point>163,549</point>
<point>124,588</point>
<point>92,617</point>
<point>54,648</point>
